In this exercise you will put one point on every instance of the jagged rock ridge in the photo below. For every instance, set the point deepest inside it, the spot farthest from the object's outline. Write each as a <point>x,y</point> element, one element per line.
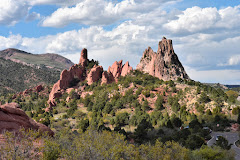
<point>164,64</point>
<point>78,72</point>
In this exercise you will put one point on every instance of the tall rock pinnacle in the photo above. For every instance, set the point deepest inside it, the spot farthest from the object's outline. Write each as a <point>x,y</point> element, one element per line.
<point>164,64</point>
<point>83,58</point>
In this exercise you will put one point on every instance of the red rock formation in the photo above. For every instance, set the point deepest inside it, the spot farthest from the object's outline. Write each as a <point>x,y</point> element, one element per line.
<point>12,118</point>
<point>27,91</point>
<point>95,74</point>
<point>126,69</point>
<point>164,64</point>
<point>116,69</point>
<point>39,88</point>
<point>83,59</point>
<point>78,71</point>
<point>107,78</point>
<point>67,77</point>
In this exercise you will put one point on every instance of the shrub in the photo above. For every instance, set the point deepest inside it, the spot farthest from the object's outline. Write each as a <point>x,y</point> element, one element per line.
<point>159,103</point>
<point>122,119</point>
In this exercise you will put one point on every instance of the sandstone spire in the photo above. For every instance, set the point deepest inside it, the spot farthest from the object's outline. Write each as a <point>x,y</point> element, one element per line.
<point>84,57</point>
<point>164,64</point>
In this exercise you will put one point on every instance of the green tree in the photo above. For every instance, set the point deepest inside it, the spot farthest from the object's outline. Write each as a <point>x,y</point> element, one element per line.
<point>122,119</point>
<point>204,98</point>
<point>232,96</point>
<point>238,119</point>
<point>235,111</point>
<point>177,122</point>
<point>159,103</point>
<point>212,153</point>
<point>141,131</point>
<point>145,106</point>
<point>83,124</point>
<point>51,150</point>
<point>194,142</point>
<point>223,143</point>
<point>73,94</point>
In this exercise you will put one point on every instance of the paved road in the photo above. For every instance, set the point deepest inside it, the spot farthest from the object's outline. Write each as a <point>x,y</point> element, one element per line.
<point>232,137</point>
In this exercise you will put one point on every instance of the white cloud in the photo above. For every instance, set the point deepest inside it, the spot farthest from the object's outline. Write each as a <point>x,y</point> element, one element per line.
<point>105,46</point>
<point>89,12</point>
<point>10,42</point>
<point>11,11</point>
<point>123,42</point>
<point>234,60</point>
<point>215,76</point>
<point>32,16</point>
<point>101,12</point>
<point>198,19</point>
<point>55,2</point>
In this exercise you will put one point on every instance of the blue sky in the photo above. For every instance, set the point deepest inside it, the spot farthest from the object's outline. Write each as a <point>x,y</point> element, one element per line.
<point>205,34</point>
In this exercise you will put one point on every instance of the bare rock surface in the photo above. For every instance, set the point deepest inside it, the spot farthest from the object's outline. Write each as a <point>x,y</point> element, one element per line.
<point>164,64</point>
<point>84,57</point>
<point>12,118</point>
<point>126,69</point>
<point>115,71</point>
<point>95,74</point>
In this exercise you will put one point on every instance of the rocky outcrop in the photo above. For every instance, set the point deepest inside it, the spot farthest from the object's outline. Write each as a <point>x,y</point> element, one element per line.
<point>12,118</point>
<point>95,74</point>
<point>68,78</point>
<point>115,71</point>
<point>78,73</point>
<point>26,92</point>
<point>83,59</point>
<point>126,69</point>
<point>107,78</point>
<point>39,88</point>
<point>164,64</point>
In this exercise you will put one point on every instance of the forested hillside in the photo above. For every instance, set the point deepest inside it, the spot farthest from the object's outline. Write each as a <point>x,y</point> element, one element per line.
<point>16,77</point>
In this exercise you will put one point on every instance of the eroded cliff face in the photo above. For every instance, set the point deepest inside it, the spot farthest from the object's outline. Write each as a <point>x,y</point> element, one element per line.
<point>164,64</point>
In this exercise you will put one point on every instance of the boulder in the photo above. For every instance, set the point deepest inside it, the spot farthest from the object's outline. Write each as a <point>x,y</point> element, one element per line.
<point>12,118</point>
<point>39,88</point>
<point>164,64</point>
<point>95,74</point>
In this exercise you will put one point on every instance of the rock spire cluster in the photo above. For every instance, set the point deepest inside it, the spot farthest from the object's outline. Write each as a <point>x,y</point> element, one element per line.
<point>163,64</point>
<point>78,72</point>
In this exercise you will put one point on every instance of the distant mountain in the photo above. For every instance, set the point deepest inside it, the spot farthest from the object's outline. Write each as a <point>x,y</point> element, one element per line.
<point>16,77</point>
<point>47,60</point>
<point>218,85</point>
